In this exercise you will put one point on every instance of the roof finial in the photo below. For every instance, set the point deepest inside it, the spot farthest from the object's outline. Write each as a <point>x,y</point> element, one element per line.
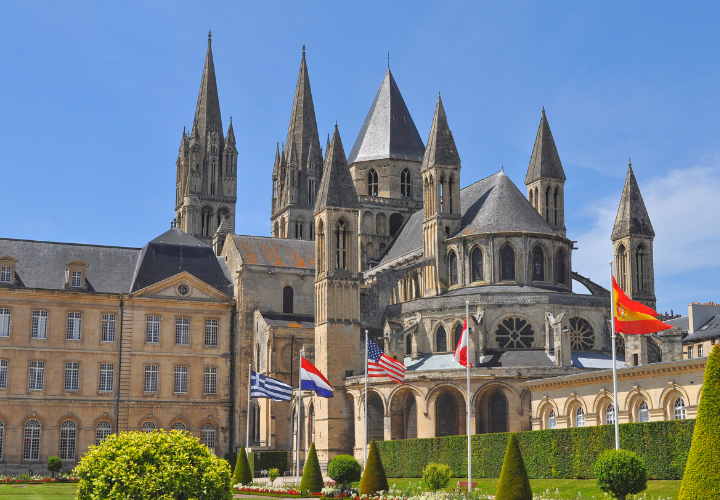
<point>502,168</point>
<point>303,50</point>
<point>543,109</point>
<point>629,163</point>
<point>388,60</point>
<point>209,37</point>
<point>230,119</point>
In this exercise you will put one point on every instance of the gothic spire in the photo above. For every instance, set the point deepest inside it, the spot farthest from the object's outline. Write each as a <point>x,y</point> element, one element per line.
<point>303,127</point>
<point>632,218</point>
<point>276,165</point>
<point>230,137</point>
<point>207,112</point>
<point>441,148</point>
<point>545,160</point>
<point>337,188</point>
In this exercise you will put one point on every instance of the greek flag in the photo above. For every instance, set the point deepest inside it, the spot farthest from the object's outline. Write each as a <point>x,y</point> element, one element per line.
<point>266,387</point>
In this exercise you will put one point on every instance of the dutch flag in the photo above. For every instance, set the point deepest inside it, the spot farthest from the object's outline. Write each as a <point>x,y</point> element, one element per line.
<point>266,387</point>
<point>312,380</point>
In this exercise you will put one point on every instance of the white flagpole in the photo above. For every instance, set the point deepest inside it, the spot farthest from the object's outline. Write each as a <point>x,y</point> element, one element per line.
<point>247,424</point>
<point>467,363</point>
<point>612,323</point>
<point>298,410</point>
<point>367,343</point>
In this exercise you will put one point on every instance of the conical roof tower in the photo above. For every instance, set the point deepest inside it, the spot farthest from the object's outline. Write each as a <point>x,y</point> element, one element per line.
<point>545,160</point>
<point>207,111</point>
<point>337,189</point>
<point>632,218</point>
<point>441,149</point>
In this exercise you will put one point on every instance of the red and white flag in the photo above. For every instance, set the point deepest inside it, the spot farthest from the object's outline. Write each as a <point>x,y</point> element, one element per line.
<point>461,351</point>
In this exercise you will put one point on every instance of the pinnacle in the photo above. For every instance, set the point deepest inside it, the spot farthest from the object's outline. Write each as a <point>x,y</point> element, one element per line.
<point>545,160</point>
<point>632,218</point>
<point>303,126</point>
<point>337,188</point>
<point>207,111</point>
<point>441,149</point>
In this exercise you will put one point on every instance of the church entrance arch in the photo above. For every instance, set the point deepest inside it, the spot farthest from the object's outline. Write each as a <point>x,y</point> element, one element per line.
<point>449,412</point>
<point>404,414</point>
<point>492,409</point>
<point>376,418</point>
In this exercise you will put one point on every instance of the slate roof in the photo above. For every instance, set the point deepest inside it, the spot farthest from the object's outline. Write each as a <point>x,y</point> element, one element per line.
<point>709,330</point>
<point>42,264</point>
<point>493,204</point>
<point>207,112</point>
<point>280,252</point>
<point>289,320</point>
<point>683,322</point>
<point>441,149</point>
<point>337,188</point>
<point>388,130</point>
<point>545,160</point>
<point>522,358</point>
<point>632,217</point>
<point>174,252</point>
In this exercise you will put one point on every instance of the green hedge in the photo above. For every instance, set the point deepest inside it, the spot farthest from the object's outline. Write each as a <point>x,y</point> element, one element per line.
<point>266,460</point>
<point>558,453</point>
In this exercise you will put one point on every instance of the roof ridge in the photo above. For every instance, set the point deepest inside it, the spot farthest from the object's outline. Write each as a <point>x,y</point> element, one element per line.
<point>69,243</point>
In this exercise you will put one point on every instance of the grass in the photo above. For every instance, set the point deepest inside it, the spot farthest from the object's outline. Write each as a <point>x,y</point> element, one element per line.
<point>569,488</point>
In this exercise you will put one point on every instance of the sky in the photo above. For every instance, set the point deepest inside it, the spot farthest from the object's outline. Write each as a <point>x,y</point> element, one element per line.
<point>96,95</point>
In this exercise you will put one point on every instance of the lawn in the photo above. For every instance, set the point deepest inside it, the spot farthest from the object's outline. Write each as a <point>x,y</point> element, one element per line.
<point>38,491</point>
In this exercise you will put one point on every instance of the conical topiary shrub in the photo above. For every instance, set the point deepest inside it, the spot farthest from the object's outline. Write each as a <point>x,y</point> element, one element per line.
<point>312,479</point>
<point>514,483</point>
<point>242,474</point>
<point>373,478</point>
<point>702,470</point>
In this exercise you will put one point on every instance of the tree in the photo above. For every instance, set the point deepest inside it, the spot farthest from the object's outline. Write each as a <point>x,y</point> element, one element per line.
<point>620,473</point>
<point>344,469</point>
<point>54,465</point>
<point>436,476</point>
<point>151,466</point>
<point>702,470</point>
<point>514,483</point>
<point>373,478</point>
<point>312,479</point>
<point>242,474</point>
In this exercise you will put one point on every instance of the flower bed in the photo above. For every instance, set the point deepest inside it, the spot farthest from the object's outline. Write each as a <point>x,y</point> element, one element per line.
<point>24,479</point>
<point>272,491</point>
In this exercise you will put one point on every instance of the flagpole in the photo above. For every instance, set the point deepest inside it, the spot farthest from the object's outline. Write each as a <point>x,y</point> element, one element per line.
<point>299,405</point>
<point>247,423</point>
<point>367,342</point>
<point>612,323</point>
<point>467,365</point>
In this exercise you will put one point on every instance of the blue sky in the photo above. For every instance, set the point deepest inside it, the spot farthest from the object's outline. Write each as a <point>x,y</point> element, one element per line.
<point>96,95</point>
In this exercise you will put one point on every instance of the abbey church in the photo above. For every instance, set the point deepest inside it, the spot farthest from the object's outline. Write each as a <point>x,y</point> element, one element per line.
<point>389,241</point>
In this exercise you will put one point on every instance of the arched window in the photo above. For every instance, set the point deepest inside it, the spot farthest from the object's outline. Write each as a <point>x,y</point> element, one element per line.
<point>441,339</point>
<point>411,417</point>
<point>447,415</point>
<point>530,197</point>
<point>408,345</point>
<point>340,245</point>
<point>610,414</point>
<point>498,412</point>
<point>514,333</point>
<point>537,200</point>
<point>582,335</point>
<point>396,221</point>
<point>405,183</point>
<point>547,205</point>
<point>457,336</point>
<point>679,409</point>
<point>208,436</point>
<point>381,223</point>
<point>556,194</point>
<point>442,194</point>
<point>560,267</point>
<point>621,267</point>
<point>451,182</point>
<point>538,264</point>
<point>640,267</point>
<point>580,417</point>
<point>31,441</point>
<point>453,269</point>
<point>288,300</point>
<point>178,426</point>
<point>205,219</point>
<point>299,229</point>
<point>372,182</point>
<point>376,419</point>
<point>103,430</point>
<point>68,431</point>
<point>148,427</point>
<point>370,251</point>
<point>477,264</point>
<point>507,263</point>
<point>320,245</point>
<point>643,412</point>
<point>276,232</point>
<point>551,420</point>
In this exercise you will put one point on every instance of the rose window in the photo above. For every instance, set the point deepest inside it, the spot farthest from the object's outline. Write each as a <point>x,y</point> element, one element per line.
<point>582,336</point>
<point>514,333</point>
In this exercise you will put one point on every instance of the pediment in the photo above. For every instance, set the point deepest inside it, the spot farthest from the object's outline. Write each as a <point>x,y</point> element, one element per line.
<point>183,286</point>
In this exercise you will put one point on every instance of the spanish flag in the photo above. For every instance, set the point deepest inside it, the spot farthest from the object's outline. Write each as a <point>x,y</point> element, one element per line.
<point>633,317</point>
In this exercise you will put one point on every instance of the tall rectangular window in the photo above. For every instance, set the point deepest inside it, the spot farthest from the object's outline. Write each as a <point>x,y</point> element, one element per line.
<point>73,326</point>
<point>72,376</point>
<point>37,376</point>
<point>700,350</point>
<point>210,380</point>
<point>107,333</point>
<point>4,322</point>
<point>182,331</point>
<point>76,279</point>
<point>5,275</point>
<point>152,332</point>
<point>39,325</point>
<point>181,379</point>
<point>211,332</point>
<point>3,373</point>
<point>151,378</point>
<point>107,376</point>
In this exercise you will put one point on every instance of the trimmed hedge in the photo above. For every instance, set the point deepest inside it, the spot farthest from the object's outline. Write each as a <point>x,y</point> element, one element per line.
<point>266,460</point>
<point>557,453</point>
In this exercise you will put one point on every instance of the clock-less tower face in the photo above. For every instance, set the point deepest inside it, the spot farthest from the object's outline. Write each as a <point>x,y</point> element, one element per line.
<point>290,358</point>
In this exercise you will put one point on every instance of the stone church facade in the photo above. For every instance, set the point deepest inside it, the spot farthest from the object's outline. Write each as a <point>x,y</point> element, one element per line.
<point>383,242</point>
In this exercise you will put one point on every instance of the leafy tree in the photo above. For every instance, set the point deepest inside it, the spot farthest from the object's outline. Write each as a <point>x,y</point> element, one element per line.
<point>373,478</point>
<point>620,473</point>
<point>54,465</point>
<point>344,469</point>
<point>436,476</point>
<point>312,479</point>
<point>273,474</point>
<point>702,471</point>
<point>242,474</point>
<point>152,466</point>
<point>514,483</point>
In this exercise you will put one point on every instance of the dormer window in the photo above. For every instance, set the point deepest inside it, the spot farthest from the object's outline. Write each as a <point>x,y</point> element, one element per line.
<point>7,270</point>
<point>76,279</point>
<point>5,274</point>
<point>76,274</point>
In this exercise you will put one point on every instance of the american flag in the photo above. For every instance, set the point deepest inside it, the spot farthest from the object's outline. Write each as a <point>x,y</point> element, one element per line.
<point>382,365</point>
